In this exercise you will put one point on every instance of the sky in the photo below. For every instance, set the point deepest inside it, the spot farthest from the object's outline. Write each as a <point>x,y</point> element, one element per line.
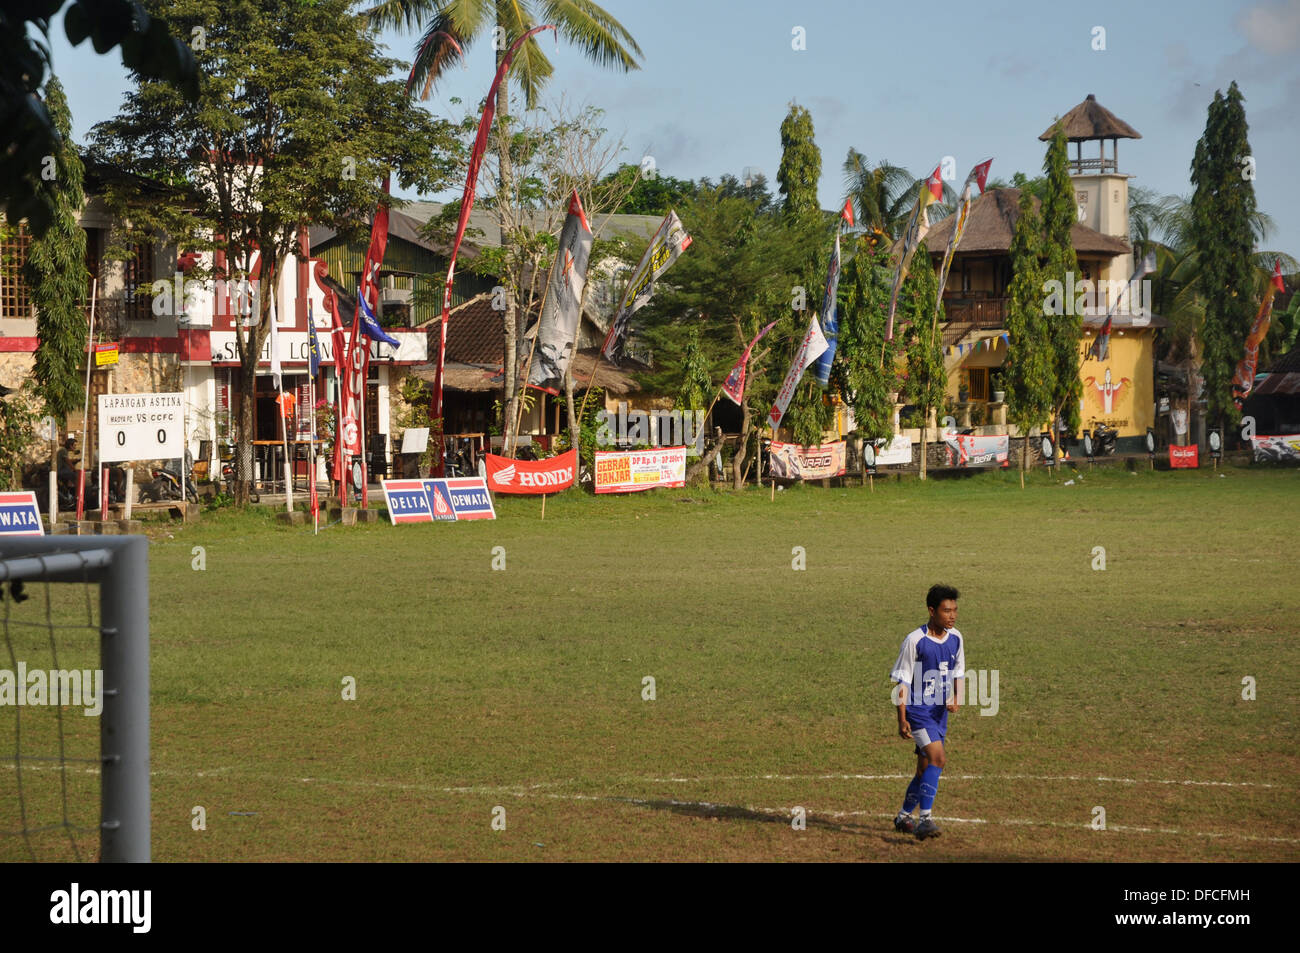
<point>908,83</point>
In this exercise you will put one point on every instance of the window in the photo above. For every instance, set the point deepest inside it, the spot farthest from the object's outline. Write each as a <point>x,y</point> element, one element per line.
<point>979,383</point>
<point>138,282</point>
<point>15,295</point>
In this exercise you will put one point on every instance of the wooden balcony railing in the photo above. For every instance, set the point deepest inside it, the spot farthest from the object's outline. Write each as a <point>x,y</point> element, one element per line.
<point>980,313</point>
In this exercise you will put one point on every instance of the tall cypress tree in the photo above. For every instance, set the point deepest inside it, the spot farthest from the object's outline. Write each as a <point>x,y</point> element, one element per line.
<point>1029,376</point>
<point>927,379</point>
<point>1223,207</point>
<point>867,381</point>
<point>56,271</point>
<point>801,162</point>
<point>1065,329</point>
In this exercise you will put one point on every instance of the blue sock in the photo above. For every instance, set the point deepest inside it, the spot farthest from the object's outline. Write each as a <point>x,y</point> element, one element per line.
<point>929,787</point>
<point>913,795</point>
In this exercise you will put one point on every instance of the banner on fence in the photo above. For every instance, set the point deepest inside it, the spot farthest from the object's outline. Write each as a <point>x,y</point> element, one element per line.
<point>789,461</point>
<point>1184,457</point>
<point>531,476</point>
<point>969,450</point>
<point>898,452</point>
<point>1277,449</point>
<point>633,470</point>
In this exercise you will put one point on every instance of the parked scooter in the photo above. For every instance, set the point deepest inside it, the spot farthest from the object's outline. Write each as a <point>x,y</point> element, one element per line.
<point>1103,440</point>
<point>166,485</point>
<point>228,482</point>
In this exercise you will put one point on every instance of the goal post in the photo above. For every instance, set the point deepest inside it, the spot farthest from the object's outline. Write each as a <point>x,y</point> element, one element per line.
<point>120,565</point>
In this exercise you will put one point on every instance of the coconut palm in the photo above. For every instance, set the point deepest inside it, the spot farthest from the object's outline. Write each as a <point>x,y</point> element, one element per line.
<point>881,194</point>
<point>451,26</point>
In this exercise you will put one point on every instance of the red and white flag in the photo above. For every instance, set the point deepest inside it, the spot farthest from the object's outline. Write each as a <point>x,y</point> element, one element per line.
<point>810,348</point>
<point>734,385</point>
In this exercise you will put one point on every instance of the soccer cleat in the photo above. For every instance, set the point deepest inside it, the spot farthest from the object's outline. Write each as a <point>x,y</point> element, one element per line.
<point>927,828</point>
<point>905,824</point>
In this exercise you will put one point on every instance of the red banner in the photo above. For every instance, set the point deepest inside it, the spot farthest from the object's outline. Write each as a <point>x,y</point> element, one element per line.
<point>531,476</point>
<point>1184,457</point>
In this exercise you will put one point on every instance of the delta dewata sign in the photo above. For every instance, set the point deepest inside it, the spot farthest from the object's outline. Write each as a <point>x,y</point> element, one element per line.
<point>531,476</point>
<point>429,501</point>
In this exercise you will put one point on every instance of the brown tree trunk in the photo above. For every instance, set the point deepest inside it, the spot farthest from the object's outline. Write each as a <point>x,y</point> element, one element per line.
<point>738,461</point>
<point>710,448</point>
<point>575,430</point>
<point>245,433</point>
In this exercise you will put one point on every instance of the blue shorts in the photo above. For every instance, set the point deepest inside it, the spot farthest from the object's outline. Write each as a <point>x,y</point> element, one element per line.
<point>927,729</point>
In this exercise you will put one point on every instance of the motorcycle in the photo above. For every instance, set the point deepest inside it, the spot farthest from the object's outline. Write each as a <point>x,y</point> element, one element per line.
<point>228,482</point>
<point>166,485</point>
<point>1100,442</point>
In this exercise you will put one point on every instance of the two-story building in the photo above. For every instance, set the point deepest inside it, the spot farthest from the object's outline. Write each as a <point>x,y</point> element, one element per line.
<point>1118,390</point>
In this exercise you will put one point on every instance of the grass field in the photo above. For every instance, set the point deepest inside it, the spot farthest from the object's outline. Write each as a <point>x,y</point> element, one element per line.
<point>522,688</point>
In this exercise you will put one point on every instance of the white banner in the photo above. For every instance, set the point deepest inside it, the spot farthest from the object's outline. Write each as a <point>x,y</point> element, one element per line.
<point>811,348</point>
<point>628,471</point>
<point>897,452</point>
<point>141,427</point>
<point>295,347</point>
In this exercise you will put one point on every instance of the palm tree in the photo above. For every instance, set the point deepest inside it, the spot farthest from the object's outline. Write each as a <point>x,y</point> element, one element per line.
<point>450,26</point>
<point>881,194</point>
<point>1163,224</point>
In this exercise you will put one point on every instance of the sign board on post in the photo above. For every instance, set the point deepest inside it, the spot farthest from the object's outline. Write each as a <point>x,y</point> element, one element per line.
<point>426,501</point>
<point>140,427</point>
<point>19,515</point>
<point>106,354</point>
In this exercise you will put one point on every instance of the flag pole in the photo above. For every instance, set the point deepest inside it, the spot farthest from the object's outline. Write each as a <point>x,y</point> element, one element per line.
<point>85,415</point>
<point>521,384</point>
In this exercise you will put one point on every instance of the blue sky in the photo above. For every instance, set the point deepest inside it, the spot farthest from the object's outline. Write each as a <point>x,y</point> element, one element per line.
<point>909,83</point>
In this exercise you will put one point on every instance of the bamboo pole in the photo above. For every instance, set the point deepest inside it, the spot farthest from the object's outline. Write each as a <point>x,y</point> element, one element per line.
<point>85,414</point>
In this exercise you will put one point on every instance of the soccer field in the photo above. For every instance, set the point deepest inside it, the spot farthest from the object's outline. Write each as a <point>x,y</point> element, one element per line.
<point>519,695</point>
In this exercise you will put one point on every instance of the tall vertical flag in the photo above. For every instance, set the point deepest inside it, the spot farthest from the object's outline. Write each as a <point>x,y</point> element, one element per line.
<point>734,385</point>
<point>830,322</point>
<point>557,330</point>
<point>1243,380</point>
<point>356,360</point>
<point>1100,349</point>
<point>978,176</point>
<point>313,368</point>
<point>275,336</point>
<point>930,192</point>
<point>313,345</point>
<point>810,348</point>
<point>467,201</point>
<point>668,242</point>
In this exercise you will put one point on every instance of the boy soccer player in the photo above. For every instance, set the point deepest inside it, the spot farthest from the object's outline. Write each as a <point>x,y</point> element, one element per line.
<point>928,675</point>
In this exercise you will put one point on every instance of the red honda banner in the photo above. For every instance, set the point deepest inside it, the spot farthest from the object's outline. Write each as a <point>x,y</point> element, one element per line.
<point>531,476</point>
<point>1184,457</point>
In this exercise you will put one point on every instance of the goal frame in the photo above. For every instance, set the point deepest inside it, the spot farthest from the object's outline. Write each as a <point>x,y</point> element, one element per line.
<point>120,565</point>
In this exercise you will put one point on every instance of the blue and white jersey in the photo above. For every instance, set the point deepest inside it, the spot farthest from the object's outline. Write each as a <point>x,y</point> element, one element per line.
<point>930,667</point>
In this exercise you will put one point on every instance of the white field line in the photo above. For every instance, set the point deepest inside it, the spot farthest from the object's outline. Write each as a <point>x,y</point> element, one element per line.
<point>949,777</point>
<point>479,789</point>
<point>535,790</point>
